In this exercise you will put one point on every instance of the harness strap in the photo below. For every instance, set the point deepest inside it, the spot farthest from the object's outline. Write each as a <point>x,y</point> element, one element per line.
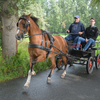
<point>48,52</point>
<point>45,41</point>
<point>39,46</point>
<point>34,35</point>
<point>46,49</point>
<point>42,38</point>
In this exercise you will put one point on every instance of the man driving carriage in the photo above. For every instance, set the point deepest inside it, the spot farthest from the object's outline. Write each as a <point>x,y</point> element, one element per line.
<point>75,27</point>
<point>91,34</point>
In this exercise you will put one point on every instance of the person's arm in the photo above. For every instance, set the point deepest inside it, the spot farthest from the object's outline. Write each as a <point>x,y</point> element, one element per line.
<point>70,27</point>
<point>83,29</point>
<point>85,34</point>
<point>96,33</point>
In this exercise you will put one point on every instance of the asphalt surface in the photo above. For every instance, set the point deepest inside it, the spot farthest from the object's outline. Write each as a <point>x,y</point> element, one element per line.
<point>77,85</point>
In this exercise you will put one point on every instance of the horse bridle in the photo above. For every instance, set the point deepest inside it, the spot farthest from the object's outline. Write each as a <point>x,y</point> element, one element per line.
<point>25,25</point>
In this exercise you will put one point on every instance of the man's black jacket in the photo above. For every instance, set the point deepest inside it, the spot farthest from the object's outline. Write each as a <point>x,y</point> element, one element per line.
<point>91,32</point>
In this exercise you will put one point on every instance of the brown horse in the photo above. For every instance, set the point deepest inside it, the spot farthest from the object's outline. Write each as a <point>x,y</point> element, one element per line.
<point>25,24</point>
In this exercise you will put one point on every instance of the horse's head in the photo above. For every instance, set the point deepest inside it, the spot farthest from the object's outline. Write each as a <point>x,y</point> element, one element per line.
<point>23,25</point>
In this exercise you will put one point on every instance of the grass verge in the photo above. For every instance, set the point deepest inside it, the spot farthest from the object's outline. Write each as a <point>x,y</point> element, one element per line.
<point>18,65</point>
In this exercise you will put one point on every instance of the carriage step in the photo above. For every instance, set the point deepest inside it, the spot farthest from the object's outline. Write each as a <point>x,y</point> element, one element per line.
<point>83,59</point>
<point>95,48</point>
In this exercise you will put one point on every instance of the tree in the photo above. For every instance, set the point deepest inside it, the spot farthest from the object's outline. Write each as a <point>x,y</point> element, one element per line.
<point>9,18</point>
<point>95,3</point>
<point>9,11</point>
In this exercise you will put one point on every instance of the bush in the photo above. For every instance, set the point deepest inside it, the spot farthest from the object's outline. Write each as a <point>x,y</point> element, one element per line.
<point>0,40</point>
<point>18,65</point>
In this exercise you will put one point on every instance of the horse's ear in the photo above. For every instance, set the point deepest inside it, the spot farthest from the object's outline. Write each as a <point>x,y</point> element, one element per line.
<point>28,15</point>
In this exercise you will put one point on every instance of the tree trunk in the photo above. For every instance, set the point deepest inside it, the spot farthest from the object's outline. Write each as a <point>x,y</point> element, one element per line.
<point>0,33</point>
<point>9,47</point>
<point>0,24</point>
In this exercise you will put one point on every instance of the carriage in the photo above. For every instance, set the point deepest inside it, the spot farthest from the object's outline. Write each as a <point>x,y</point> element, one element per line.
<point>89,58</point>
<point>43,46</point>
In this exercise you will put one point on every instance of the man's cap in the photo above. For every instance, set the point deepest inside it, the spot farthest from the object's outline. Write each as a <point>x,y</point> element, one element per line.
<point>77,16</point>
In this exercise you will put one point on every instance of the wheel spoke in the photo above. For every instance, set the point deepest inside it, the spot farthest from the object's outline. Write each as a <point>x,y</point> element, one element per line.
<point>60,62</point>
<point>98,62</point>
<point>90,65</point>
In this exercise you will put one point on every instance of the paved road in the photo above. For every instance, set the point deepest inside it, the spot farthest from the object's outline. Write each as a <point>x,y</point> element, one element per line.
<point>77,85</point>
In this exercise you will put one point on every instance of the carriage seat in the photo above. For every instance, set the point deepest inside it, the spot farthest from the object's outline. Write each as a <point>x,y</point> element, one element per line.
<point>91,47</point>
<point>96,48</point>
<point>71,41</point>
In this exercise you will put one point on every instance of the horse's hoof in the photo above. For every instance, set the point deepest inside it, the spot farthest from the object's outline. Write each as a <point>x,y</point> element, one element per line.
<point>48,79</point>
<point>62,76</point>
<point>26,86</point>
<point>33,73</point>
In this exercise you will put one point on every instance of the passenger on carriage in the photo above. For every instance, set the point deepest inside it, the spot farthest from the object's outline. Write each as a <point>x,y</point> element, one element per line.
<point>75,27</point>
<point>91,34</point>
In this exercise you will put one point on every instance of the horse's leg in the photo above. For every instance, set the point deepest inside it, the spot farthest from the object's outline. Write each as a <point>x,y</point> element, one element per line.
<point>31,72</point>
<point>65,63</point>
<point>38,59</point>
<point>53,67</point>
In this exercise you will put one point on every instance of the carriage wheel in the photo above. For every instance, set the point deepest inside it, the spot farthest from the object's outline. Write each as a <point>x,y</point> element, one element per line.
<point>59,63</point>
<point>97,62</point>
<point>89,66</point>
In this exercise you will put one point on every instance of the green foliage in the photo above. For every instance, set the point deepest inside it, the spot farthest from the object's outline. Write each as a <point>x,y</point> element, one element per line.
<point>59,14</point>
<point>37,11</point>
<point>0,40</point>
<point>18,65</point>
<point>56,15</point>
<point>11,8</point>
<point>95,3</point>
<point>23,4</point>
